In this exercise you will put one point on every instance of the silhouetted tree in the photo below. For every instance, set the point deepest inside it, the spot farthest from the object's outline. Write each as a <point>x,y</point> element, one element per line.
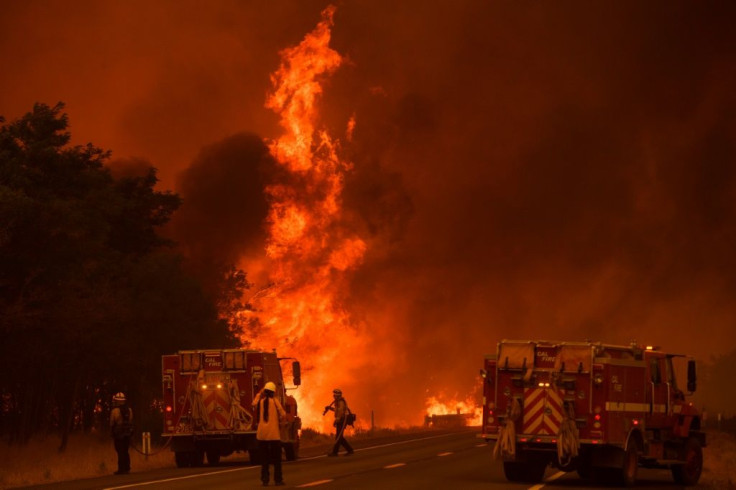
<point>90,294</point>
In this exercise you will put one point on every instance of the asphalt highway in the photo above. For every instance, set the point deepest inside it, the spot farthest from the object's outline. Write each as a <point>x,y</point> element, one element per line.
<point>427,460</point>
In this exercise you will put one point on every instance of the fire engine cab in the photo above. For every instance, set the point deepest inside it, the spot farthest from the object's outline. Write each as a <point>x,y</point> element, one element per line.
<point>207,397</point>
<point>601,410</point>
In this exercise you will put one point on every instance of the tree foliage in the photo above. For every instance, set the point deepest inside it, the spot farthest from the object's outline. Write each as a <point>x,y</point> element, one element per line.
<point>91,295</point>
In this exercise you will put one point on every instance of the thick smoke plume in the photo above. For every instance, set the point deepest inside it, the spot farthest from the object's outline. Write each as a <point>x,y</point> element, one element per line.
<point>525,169</point>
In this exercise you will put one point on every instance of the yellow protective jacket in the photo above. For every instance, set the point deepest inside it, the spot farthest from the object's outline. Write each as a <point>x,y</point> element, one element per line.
<point>268,431</point>
<point>341,410</point>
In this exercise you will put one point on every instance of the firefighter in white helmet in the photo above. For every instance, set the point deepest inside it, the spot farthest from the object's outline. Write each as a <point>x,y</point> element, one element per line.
<point>269,414</point>
<point>343,418</point>
<point>121,427</point>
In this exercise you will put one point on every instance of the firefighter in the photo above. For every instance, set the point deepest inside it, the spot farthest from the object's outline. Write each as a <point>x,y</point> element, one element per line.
<point>270,413</point>
<point>121,427</point>
<point>340,407</point>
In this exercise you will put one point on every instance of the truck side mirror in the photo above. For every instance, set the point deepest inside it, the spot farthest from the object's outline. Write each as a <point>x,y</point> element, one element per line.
<point>691,378</point>
<point>296,370</point>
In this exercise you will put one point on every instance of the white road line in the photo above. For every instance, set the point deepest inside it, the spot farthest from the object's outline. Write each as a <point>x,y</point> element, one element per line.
<point>547,480</point>
<point>484,444</point>
<point>314,483</point>
<point>393,466</point>
<point>383,445</point>
<point>406,442</point>
<point>198,475</point>
<point>444,454</point>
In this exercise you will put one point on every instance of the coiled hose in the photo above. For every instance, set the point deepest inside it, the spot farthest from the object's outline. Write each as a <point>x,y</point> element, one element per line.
<point>506,443</point>
<point>568,439</point>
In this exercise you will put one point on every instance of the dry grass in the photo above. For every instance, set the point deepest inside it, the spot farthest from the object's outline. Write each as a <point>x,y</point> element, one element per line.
<point>89,456</point>
<point>86,456</point>
<point>719,469</point>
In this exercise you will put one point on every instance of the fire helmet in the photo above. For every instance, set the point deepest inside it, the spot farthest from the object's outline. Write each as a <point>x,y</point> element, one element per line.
<point>118,398</point>
<point>337,391</point>
<point>270,386</point>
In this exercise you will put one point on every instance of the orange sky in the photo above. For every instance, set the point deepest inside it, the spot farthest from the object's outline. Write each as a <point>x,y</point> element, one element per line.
<point>520,170</point>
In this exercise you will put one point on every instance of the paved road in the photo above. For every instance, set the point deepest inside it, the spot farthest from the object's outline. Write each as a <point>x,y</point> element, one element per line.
<point>441,460</point>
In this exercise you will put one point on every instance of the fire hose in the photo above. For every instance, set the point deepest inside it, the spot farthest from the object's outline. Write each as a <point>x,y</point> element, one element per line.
<point>240,418</point>
<point>152,454</point>
<point>340,430</point>
<point>199,411</point>
<point>506,443</point>
<point>568,439</point>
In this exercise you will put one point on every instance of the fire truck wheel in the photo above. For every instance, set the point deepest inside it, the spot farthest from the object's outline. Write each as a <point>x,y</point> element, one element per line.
<point>213,457</point>
<point>689,473</point>
<point>255,455</point>
<point>585,471</point>
<point>198,458</point>
<point>630,465</point>
<point>183,459</point>
<point>527,471</point>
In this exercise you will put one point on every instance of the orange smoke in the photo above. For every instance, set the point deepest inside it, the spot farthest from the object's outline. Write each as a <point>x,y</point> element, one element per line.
<point>309,249</point>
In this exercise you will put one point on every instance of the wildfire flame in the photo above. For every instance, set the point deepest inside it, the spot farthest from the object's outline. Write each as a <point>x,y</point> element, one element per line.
<point>309,249</point>
<point>467,407</point>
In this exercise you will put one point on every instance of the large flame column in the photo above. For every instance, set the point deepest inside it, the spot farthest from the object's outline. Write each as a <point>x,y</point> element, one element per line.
<point>309,249</point>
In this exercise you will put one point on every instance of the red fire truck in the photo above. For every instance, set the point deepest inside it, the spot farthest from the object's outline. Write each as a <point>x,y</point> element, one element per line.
<point>603,410</point>
<point>207,397</point>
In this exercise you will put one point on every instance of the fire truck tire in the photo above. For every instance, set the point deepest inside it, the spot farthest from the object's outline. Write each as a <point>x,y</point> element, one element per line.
<point>630,465</point>
<point>213,457</point>
<point>255,455</point>
<point>291,450</point>
<point>688,474</point>
<point>527,471</point>
<point>585,471</point>
<point>182,459</point>
<point>198,458</point>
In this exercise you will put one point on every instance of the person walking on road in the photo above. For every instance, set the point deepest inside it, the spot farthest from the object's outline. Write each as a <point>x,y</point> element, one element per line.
<point>121,427</point>
<point>269,415</point>
<point>340,406</point>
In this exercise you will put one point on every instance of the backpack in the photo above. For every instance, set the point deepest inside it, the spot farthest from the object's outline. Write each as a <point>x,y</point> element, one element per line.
<point>350,416</point>
<point>125,427</point>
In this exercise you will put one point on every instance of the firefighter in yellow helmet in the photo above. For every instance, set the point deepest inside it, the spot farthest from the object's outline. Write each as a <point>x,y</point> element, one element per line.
<point>340,407</point>
<point>269,414</point>
<point>121,427</point>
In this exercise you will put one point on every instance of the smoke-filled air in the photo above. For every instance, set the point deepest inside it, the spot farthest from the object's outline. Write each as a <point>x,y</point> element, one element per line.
<point>405,184</point>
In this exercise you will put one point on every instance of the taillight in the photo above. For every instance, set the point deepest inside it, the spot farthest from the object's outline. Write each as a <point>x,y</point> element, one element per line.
<point>168,408</point>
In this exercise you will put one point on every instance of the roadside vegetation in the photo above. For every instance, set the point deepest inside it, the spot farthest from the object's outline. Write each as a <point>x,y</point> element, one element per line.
<point>92,292</point>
